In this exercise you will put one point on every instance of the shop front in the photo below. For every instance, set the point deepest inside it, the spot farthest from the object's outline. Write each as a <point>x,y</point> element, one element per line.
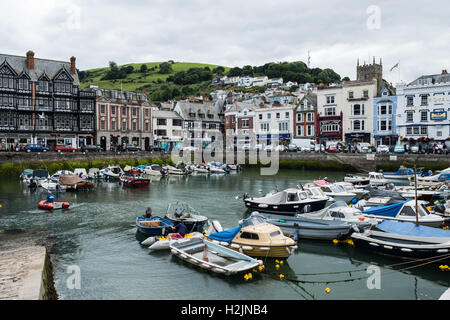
<point>356,137</point>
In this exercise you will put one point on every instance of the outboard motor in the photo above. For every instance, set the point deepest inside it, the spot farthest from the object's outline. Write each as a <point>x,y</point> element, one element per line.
<point>440,208</point>
<point>390,186</point>
<point>245,196</point>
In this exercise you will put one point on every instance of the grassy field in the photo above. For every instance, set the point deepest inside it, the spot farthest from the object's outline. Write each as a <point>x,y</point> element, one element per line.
<point>136,80</point>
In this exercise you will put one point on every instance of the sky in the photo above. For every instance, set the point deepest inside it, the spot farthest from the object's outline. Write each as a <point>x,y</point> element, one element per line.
<point>232,33</point>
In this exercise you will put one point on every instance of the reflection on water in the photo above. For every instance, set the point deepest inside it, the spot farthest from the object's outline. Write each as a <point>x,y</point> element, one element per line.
<point>98,234</point>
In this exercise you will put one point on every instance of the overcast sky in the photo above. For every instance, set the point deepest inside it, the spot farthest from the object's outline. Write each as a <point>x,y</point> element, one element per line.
<point>234,32</point>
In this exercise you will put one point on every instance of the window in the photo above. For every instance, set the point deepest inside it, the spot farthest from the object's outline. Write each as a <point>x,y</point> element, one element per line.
<point>42,86</point>
<point>24,84</point>
<point>278,115</point>
<point>390,125</point>
<point>423,116</point>
<point>382,125</point>
<point>330,99</point>
<point>423,130</point>
<point>366,93</point>
<point>260,117</point>
<point>310,117</point>
<point>300,130</point>
<point>299,117</point>
<point>124,125</point>
<point>249,235</point>
<point>330,111</point>
<point>134,126</point>
<point>287,115</point>
<point>423,100</point>
<point>124,111</point>
<point>269,116</point>
<point>409,130</point>
<point>310,130</point>
<point>147,126</point>
<point>409,101</point>
<point>382,110</point>
<point>356,125</point>
<point>146,112</point>
<point>113,110</point>
<point>350,95</point>
<point>409,116</point>
<point>113,125</point>
<point>102,124</point>
<point>292,197</point>
<point>245,123</point>
<point>161,122</point>
<point>102,109</point>
<point>416,130</point>
<point>176,122</point>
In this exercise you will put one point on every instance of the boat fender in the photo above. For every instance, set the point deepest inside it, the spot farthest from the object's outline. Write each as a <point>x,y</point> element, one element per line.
<point>240,250</point>
<point>149,241</point>
<point>216,242</point>
<point>247,248</point>
<point>223,243</point>
<point>264,248</point>
<point>235,246</point>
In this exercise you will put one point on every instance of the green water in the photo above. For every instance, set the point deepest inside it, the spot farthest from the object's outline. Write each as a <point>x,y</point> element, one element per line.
<point>98,235</point>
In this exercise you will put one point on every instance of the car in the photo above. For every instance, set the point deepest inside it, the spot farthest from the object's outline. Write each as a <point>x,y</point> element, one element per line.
<point>245,147</point>
<point>131,147</point>
<point>363,147</point>
<point>90,148</point>
<point>35,148</point>
<point>399,149</point>
<point>156,148</point>
<point>333,148</point>
<point>65,148</point>
<point>304,149</point>
<point>414,149</point>
<point>382,149</point>
<point>319,148</point>
<point>292,147</point>
<point>269,148</point>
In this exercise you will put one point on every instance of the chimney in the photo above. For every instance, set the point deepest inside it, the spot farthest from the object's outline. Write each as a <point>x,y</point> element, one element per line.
<point>72,65</point>
<point>444,71</point>
<point>30,60</point>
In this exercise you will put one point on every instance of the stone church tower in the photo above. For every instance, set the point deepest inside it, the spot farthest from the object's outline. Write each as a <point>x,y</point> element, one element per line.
<point>370,71</point>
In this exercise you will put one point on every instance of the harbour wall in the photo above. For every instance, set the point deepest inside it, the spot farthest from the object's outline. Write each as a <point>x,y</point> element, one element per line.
<point>13,163</point>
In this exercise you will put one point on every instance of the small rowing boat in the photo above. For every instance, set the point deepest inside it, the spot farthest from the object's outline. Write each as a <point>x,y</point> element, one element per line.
<point>43,205</point>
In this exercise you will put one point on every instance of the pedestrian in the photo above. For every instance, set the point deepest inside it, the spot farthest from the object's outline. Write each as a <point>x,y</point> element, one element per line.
<point>180,231</point>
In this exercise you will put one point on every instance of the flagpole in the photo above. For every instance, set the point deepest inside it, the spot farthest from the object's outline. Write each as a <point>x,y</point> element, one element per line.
<point>399,71</point>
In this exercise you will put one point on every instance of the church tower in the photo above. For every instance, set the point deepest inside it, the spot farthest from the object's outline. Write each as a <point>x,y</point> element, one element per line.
<point>368,72</point>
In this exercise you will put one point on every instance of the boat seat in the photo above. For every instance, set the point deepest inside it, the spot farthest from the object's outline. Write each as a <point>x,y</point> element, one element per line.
<point>195,249</point>
<point>238,265</point>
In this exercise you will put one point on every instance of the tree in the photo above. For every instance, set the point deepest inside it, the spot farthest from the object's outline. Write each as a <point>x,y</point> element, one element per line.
<point>165,68</point>
<point>219,70</point>
<point>143,68</point>
<point>345,79</point>
<point>235,72</point>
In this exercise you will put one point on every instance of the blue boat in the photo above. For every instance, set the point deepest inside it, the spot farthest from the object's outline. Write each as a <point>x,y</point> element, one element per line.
<point>405,212</point>
<point>154,226</point>
<point>401,173</point>
<point>406,240</point>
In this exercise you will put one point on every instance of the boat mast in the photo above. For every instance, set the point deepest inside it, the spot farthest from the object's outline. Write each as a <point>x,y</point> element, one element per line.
<point>415,188</point>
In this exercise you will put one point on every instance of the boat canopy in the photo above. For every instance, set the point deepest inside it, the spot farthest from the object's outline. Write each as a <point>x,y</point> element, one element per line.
<point>69,180</point>
<point>411,229</point>
<point>27,172</point>
<point>226,235</point>
<point>40,173</point>
<point>387,211</point>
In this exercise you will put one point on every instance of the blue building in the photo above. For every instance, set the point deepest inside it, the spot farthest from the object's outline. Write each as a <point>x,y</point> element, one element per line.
<point>384,117</point>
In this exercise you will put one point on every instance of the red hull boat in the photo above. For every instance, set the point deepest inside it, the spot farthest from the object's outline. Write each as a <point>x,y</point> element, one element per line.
<point>43,205</point>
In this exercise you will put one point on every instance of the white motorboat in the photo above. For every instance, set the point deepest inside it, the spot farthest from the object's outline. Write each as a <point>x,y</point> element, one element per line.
<point>94,173</point>
<point>337,192</point>
<point>216,170</point>
<point>59,173</point>
<point>406,212</point>
<point>81,172</point>
<point>350,187</point>
<point>154,170</point>
<point>356,180</point>
<point>52,186</point>
<point>173,171</point>
<point>112,172</point>
<point>377,179</point>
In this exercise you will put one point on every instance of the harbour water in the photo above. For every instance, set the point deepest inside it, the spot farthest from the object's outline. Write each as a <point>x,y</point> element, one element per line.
<point>98,236</point>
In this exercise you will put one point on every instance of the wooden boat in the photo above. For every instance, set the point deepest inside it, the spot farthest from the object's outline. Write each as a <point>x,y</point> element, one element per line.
<point>213,257</point>
<point>184,213</point>
<point>256,238</point>
<point>404,239</point>
<point>286,202</point>
<point>154,226</point>
<point>43,205</point>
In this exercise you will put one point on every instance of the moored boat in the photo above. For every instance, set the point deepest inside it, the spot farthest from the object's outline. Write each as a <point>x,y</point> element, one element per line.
<point>154,226</point>
<point>257,238</point>
<point>213,257</point>
<point>402,173</point>
<point>182,212</point>
<point>129,180</point>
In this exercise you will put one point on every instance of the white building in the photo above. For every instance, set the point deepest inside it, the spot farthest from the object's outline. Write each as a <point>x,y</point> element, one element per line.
<point>167,129</point>
<point>245,81</point>
<point>260,81</point>
<point>330,105</point>
<point>274,122</point>
<point>423,107</point>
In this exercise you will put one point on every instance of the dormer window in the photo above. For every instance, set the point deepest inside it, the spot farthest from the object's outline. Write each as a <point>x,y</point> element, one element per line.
<point>42,86</point>
<point>24,84</point>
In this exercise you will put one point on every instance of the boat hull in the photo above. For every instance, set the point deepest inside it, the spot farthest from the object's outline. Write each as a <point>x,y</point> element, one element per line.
<point>136,183</point>
<point>285,209</point>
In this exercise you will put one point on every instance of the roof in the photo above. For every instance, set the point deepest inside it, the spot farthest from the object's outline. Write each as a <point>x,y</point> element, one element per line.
<point>185,108</point>
<point>51,68</point>
<point>240,106</point>
<point>166,114</point>
<point>435,78</point>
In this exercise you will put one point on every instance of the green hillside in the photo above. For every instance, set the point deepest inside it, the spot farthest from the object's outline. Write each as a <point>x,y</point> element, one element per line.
<point>137,80</point>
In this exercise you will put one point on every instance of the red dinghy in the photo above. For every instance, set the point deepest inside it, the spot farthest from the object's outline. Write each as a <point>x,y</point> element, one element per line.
<point>43,205</point>
<point>130,181</point>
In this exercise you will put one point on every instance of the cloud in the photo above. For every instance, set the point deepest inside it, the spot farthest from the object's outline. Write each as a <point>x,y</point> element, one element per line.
<point>233,33</point>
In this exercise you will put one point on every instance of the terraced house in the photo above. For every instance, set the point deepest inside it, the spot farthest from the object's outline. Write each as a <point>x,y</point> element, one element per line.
<point>40,103</point>
<point>122,118</point>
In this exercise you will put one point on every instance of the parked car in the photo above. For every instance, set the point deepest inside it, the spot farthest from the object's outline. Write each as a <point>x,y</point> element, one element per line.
<point>65,148</point>
<point>399,148</point>
<point>90,148</point>
<point>259,146</point>
<point>414,149</point>
<point>304,149</point>
<point>333,148</point>
<point>35,148</point>
<point>319,148</point>
<point>132,147</point>
<point>292,147</point>
<point>382,149</point>
<point>363,147</point>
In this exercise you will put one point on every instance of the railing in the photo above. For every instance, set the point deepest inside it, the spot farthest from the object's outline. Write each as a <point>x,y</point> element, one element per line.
<point>43,108</point>
<point>19,107</point>
<point>44,128</point>
<point>66,129</point>
<point>25,127</point>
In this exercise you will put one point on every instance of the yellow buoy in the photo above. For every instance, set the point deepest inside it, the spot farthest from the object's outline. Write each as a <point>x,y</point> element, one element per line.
<point>261,268</point>
<point>277,261</point>
<point>281,262</point>
<point>335,241</point>
<point>327,290</point>
<point>281,276</point>
<point>277,266</point>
